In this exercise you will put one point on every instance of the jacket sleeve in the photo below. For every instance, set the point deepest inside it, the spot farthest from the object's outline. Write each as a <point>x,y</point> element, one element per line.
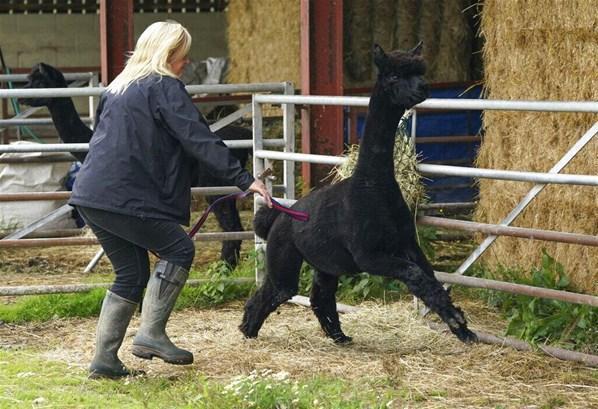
<point>184,122</point>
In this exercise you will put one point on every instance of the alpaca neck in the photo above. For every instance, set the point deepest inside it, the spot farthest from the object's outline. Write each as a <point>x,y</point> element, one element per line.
<point>376,150</point>
<point>67,121</point>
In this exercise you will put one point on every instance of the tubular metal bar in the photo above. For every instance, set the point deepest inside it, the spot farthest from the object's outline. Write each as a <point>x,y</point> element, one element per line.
<point>258,169</point>
<point>97,91</point>
<point>230,88</point>
<point>517,288</point>
<point>85,241</point>
<point>229,119</point>
<point>497,230</point>
<point>55,214</point>
<point>439,103</point>
<point>80,288</point>
<point>288,120</point>
<point>32,121</point>
<point>40,159</point>
<point>567,179</point>
<point>69,76</point>
<point>535,234</point>
<point>452,205</point>
<point>560,353</point>
<point>84,147</point>
<point>63,195</point>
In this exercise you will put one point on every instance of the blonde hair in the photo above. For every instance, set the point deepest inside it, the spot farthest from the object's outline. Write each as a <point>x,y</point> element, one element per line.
<point>155,48</point>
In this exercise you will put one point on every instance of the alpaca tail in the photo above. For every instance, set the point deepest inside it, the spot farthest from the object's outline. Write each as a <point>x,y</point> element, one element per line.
<point>264,218</point>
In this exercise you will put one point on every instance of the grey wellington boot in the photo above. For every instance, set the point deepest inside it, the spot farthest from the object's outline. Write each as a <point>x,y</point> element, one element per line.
<point>163,289</point>
<point>112,325</point>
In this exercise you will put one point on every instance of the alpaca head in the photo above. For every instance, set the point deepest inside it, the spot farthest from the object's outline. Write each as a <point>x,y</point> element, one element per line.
<point>401,75</point>
<point>43,76</point>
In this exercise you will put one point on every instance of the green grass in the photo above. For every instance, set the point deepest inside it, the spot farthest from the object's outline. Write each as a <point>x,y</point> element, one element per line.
<point>47,307</point>
<point>28,381</point>
<point>219,289</point>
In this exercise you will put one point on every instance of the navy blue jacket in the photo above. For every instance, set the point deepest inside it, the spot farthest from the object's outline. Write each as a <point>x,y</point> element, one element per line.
<point>145,150</point>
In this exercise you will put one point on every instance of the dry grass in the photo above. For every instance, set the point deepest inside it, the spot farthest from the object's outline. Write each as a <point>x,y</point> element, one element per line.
<point>543,50</point>
<point>390,345</point>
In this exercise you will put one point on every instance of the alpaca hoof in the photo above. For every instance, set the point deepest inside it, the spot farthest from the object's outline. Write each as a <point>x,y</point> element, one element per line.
<point>341,339</point>
<point>466,336</point>
<point>246,333</point>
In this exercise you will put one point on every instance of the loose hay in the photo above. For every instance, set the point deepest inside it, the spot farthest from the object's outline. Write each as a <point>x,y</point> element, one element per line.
<point>405,166</point>
<point>541,51</point>
<point>392,346</point>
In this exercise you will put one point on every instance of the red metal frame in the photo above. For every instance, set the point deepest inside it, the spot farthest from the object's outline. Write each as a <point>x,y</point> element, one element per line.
<point>116,36</point>
<point>321,74</point>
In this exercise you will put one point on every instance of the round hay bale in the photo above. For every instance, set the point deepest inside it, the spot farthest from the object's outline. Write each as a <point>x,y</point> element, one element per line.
<point>540,51</point>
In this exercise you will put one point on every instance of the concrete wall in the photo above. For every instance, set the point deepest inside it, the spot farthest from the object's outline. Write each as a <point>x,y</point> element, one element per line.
<point>74,40</point>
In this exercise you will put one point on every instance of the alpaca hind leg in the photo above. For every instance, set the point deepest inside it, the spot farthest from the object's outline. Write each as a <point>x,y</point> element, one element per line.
<point>323,304</point>
<point>281,284</point>
<point>424,286</point>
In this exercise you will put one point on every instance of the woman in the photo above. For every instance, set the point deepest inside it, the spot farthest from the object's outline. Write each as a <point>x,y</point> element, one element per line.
<point>134,192</point>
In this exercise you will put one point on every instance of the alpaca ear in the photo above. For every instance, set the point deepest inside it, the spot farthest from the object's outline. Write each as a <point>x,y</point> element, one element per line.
<point>379,56</point>
<point>417,50</point>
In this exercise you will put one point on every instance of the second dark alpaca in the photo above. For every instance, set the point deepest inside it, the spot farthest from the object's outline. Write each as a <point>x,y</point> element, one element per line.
<point>359,224</point>
<point>72,130</point>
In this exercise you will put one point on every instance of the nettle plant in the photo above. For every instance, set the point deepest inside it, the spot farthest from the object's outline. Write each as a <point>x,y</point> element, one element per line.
<point>539,320</point>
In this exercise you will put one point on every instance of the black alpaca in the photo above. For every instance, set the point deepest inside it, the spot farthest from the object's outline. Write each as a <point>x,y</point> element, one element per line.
<point>72,130</point>
<point>359,224</point>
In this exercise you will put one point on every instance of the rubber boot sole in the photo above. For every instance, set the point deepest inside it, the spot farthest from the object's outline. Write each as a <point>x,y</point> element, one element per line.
<point>144,352</point>
<point>95,374</point>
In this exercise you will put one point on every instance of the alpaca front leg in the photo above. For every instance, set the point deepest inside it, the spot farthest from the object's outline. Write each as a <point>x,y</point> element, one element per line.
<point>323,304</point>
<point>424,286</point>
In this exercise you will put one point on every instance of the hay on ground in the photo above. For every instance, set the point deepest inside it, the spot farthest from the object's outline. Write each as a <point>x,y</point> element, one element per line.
<point>391,345</point>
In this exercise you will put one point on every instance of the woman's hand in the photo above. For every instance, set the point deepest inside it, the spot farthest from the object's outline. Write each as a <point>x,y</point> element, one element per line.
<point>258,187</point>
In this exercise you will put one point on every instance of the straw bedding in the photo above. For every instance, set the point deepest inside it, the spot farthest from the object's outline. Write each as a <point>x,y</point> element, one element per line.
<point>393,349</point>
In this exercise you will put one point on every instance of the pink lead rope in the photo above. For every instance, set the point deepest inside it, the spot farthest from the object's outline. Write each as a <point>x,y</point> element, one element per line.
<point>295,214</point>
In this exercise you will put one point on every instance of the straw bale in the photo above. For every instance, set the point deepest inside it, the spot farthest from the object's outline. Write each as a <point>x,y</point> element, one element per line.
<point>543,50</point>
<point>430,21</point>
<point>357,41</point>
<point>385,18</point>
<point>263,40</point>
<point>407,21</point>
<point>455,44</point>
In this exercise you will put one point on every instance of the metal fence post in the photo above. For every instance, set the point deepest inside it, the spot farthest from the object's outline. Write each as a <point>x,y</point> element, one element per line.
<point>258,168</point>
<point>288,124</point>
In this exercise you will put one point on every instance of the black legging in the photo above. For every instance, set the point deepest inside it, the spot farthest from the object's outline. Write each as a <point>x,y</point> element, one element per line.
<point>126,241</point>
